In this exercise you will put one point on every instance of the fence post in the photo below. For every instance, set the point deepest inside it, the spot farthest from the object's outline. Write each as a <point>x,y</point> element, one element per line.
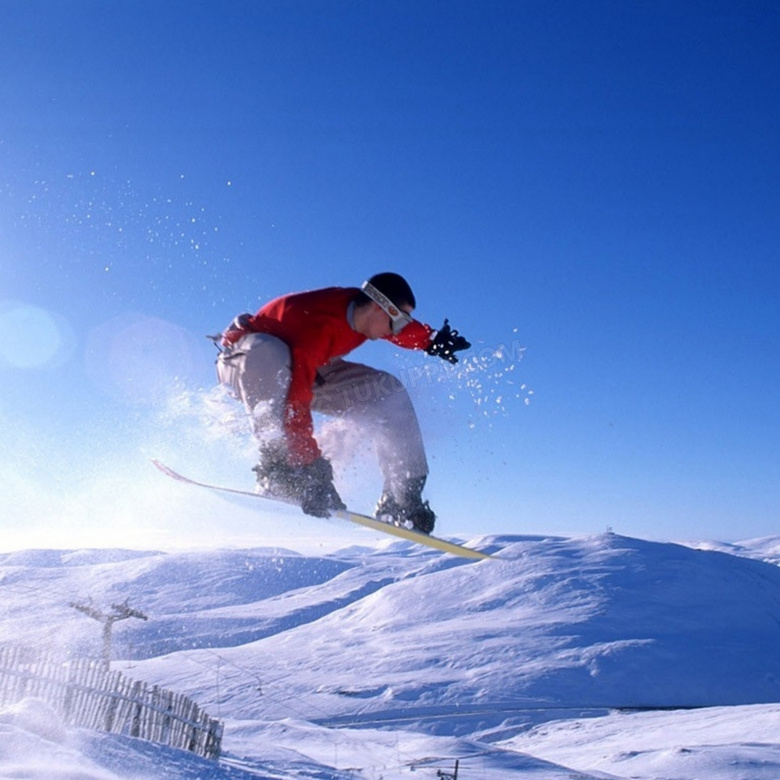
<point>86,696</point>
<point>213,745</point>
<point>135,727</point>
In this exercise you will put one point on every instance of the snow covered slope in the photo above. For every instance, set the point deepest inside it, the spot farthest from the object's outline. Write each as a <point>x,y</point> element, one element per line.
<point>380,660</point>
<point>600,622</point>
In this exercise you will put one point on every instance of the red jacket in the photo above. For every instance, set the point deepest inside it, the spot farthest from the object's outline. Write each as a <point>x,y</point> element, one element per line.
<point>314,326</point>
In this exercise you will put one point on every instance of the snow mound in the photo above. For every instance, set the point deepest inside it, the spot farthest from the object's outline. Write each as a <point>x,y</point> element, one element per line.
<point>717,743</point>
<point>33,745</point>
<point>35,717</point>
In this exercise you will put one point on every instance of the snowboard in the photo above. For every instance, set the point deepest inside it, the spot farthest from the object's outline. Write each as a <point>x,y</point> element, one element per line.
<point>344,514</point>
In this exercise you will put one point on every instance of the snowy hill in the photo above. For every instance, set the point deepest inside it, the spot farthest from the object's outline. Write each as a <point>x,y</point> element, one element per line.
<point>372,661</point>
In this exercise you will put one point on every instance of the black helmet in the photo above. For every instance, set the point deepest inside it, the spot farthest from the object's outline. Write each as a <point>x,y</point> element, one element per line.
<point>395,287</point>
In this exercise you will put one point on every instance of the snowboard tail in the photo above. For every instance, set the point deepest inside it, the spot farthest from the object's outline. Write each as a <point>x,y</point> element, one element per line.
<point>344,514</point>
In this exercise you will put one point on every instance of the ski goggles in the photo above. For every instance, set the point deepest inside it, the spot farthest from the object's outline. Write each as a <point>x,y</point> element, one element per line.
<point>398,319</point>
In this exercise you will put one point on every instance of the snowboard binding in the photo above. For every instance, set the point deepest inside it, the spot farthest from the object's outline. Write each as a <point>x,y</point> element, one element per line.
<point>410,512</point>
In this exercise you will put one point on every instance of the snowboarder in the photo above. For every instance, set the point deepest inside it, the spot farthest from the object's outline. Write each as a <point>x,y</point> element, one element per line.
<point>286,361</point>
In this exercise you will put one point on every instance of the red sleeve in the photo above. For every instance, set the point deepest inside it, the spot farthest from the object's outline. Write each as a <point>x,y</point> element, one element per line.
<point>416,335</point>
<point>298,423</point>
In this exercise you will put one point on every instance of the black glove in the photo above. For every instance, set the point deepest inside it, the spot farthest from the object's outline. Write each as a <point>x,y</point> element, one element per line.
<point>318,496</point>
<point>446,343</point>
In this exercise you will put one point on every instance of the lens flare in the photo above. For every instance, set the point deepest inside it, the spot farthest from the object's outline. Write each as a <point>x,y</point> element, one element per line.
<point>32,337</point>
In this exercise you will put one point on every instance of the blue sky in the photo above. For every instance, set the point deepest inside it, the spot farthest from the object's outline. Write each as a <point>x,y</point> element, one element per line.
<point>588,191</point>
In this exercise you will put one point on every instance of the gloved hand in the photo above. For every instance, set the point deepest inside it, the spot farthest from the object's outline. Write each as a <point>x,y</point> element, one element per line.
<point>318,495</point>
<point>238,327</point>
<point>446,343</point>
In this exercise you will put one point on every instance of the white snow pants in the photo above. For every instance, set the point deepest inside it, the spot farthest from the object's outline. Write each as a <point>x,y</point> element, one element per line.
<point>258,372</point>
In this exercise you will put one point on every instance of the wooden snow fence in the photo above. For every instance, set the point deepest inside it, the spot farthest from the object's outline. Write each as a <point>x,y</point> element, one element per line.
<point>86,695</point>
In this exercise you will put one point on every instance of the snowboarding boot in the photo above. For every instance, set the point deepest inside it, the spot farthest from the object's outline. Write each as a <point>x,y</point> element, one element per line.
<point>408,509</point>
<point>276,478</point>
